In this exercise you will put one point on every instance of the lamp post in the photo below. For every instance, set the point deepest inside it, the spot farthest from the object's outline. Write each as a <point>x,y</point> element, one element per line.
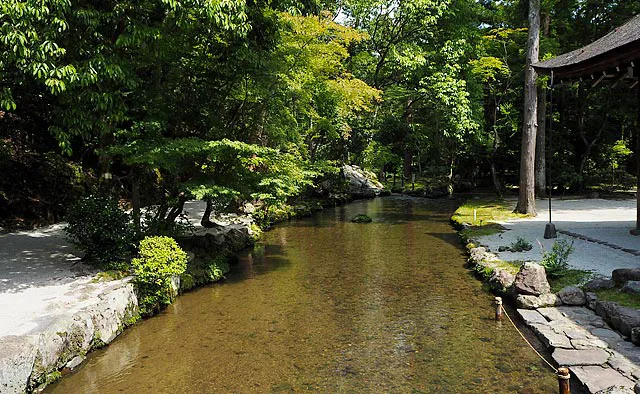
<point>550,228</point>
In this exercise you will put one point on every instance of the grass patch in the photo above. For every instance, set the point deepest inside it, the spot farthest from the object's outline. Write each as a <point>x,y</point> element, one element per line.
<point>473,232</point>
<point>486,212</point>
<point>570,277</point>
<point>624,299</point>
<point>480,217</point>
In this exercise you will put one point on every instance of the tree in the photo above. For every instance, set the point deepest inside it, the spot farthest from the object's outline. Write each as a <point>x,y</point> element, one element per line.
<point>527,198</point>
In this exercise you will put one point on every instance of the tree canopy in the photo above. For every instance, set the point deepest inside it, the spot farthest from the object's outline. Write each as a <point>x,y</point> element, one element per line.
<point>227,100</point>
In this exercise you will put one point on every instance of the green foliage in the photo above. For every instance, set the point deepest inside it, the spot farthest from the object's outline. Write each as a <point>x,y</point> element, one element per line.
<point>102,230</point>
<point>570,277</point>
<point>159,260</point>
<point>107,276</point>
<point>521,245</point>
<point>217,268</point>
<point>203,271</point>
<point>556,261</point>
<point>615,295</point>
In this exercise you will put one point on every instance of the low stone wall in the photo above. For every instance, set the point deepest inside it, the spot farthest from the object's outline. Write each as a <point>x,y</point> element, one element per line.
<point>60,343</point>
<point>577,334</point>
<point>29,362</point>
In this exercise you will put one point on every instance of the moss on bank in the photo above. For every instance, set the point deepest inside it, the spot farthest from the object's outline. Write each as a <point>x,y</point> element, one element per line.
<point>476,218</point>
<point>201,272</point>
<point>615,295</point>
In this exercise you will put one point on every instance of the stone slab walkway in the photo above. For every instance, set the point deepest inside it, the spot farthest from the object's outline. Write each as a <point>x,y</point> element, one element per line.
<point>580,340</point>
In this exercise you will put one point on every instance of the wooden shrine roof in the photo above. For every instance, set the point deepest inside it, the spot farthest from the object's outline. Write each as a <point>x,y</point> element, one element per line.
<point>608,57</point>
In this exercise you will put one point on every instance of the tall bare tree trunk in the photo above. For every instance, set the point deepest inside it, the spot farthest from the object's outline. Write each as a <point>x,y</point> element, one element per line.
<point>527,198</point>
<point>541,163</point>
<point>541,136</point>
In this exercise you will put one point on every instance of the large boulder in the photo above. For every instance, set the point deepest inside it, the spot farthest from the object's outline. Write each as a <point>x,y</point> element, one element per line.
<point>598,284</point>
<point>501,280</point>
<point>362,183</point>
<point>625,319</point>
<point>531,280</point>
<point>572,295</point>
<point>622,275</point>
<point>631,287</point>
<point>622,318</point>
<point>535,302</point>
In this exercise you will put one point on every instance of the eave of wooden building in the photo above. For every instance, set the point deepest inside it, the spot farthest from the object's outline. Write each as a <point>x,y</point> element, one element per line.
<point>612,57</point>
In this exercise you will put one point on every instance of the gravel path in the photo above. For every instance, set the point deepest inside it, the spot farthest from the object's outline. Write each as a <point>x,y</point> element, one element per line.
<point>598,228</point>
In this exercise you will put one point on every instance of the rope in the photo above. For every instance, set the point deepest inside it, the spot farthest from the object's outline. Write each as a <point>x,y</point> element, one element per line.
<point>528,343</point>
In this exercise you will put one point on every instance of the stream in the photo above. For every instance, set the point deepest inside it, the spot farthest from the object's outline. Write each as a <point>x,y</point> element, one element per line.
<point>329,306</point>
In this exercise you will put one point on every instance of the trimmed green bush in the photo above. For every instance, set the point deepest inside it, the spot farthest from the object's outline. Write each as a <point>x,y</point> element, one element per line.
<point>556,262</point>
<point>159,260</point>
<point>102,230</point>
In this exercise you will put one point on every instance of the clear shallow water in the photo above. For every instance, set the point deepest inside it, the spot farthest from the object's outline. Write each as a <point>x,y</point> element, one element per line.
<point>326,305</point>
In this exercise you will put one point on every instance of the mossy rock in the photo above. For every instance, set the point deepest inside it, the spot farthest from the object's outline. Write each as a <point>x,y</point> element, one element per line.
<point>362,218</point>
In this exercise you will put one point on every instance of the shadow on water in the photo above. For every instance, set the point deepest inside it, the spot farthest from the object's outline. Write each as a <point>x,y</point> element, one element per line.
<point>332,307</point>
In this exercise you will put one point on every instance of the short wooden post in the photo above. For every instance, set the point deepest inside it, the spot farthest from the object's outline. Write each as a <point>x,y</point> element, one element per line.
<point>563,381</point>
<point>498,308</point>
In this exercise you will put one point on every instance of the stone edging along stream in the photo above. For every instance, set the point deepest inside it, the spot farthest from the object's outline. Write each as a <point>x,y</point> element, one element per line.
<point>31,361</point>
<point>577,336</point>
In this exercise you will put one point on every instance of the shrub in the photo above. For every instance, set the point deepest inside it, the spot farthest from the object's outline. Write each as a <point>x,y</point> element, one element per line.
<point>159,260</point>
<point>556,262</point>
<point>103,231</point>
<point>521,245</point>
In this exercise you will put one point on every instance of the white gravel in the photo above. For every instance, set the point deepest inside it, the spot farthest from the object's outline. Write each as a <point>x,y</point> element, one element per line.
<point>42,276</point>
<point>603,220</point>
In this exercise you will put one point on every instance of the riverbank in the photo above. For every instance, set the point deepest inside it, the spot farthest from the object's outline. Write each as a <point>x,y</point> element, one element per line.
<point>579,334</point>
<point>327,305</point>
<point>56,309</point>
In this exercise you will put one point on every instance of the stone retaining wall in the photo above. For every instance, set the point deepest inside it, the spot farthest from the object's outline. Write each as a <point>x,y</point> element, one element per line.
<point>31,361</point>
<point>578,337</point>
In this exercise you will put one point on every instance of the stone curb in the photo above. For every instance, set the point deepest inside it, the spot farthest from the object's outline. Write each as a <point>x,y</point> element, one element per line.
<point>579,339</point>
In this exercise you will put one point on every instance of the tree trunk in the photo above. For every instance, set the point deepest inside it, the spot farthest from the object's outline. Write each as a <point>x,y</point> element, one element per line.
<point>408,159</point>
<point>135,200</point>
<point>206,216</point>
<point>541,166</point>
<point>527,198</point>
<point>494,178</point>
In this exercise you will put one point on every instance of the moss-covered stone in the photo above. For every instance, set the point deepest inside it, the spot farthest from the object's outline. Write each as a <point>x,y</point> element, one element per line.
<point>361,218</point>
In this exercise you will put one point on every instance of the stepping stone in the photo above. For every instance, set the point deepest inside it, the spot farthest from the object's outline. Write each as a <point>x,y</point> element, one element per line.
<point>531,316</point>
<point>623,365</point>
<point>550,338</point>
<point>577,333</point>
<point>582,344</point>
<point>569,357</point>
<point>598,378</point>
<point>616,390</point>
<point>605,333</point>
<point>552,314</point>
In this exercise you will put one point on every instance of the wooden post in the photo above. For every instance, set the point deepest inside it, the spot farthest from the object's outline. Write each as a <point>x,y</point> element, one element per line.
<point>636,231</point>
<point>563,381</point>
<point>498,308</point>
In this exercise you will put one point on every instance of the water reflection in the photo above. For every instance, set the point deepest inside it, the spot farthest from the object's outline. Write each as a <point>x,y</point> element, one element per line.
<point>328,305</point>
